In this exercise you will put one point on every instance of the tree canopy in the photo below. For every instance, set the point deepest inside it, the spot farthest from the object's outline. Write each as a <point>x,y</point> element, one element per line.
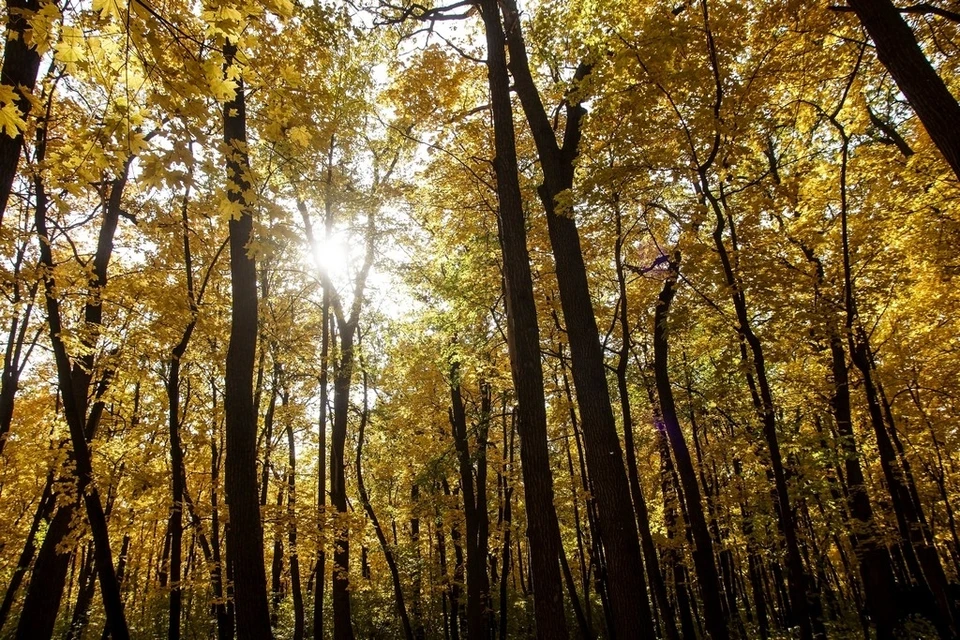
<point>381,319</point>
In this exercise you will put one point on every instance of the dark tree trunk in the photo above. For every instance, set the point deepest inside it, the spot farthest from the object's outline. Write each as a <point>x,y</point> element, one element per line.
<point>342,620</point>
<point>276,566</point>
<point>14,359</point>
<point>524,344</point>
<point>626,586</point>
<point>751,352</point>
<point>874,561</point>
<point>321,580</point>
<point>475,507</point>
<point>21,62</point>
<point>657,584</point>
<point>81,610</point>
<point>245,533</point>
<point>74,381</point>
<point>703,545</point>
<point>419,632</point>
<point>898,51</point>
<point>506,523</point>
<point>673,554</point>
<point>224,606</point>
<point>45,590</point>
<point>294,551</point>
<point>319,587</point>
<point>43,513</point>
<point>177,472</point>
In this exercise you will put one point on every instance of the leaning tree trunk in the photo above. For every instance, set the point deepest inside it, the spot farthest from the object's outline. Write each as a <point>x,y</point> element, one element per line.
<point>898,51</point>
<point>377,528</point>
<point>657,584</point>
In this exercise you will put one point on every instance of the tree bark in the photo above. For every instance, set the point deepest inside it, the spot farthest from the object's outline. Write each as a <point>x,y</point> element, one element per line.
<point>627,588</point>
<point>703,545</point>
<point>74,380</point>
<point>898,51</point>
<point>475,507</point>
<point>21,62</point>
<point>245,533</point>
<point>657,584</point>
<point>378,530</point>
<point>44,511</point>
<point>523,336</point>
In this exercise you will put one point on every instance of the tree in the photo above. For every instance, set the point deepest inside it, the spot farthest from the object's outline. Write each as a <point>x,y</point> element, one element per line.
<point>245,532</point>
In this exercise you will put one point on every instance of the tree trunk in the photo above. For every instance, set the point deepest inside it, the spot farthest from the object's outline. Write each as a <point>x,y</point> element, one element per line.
<point>752,355</point>
<point>298,613</point>
<point>381,537</point>
<point>657,584</point>
<point>474,506</point>
<point>898,51</point>
<point>703,545</point>
<point>342,620</point>
<point>43,513</point>
<point>875,571</point>
<point>245,533</point>
<point>21,62</point>
<point>524,344</point>
<point>74,381</point>
<point>627,588</point>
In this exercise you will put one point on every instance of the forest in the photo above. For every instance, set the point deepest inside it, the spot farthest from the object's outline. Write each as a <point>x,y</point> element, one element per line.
<point>580,319</point>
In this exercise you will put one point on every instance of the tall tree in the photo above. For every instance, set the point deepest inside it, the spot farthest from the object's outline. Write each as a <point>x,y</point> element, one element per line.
<point>245,533</point>
<point>523,335</point>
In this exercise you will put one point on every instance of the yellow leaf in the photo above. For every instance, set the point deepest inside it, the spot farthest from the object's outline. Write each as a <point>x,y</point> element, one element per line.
<point>107,8</point>
<point>230,210</point>
<point>11,120</point>
<point>70,48</point>
<point>222,89</point>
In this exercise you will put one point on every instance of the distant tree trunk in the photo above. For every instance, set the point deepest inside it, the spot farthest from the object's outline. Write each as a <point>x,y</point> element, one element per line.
<point>378,530</point>
<point>81,610</point>
<point>657,584</point>
<point>14,359</point>
<point>703,545</point>
<point>178,470</point>
<point>321,580</point>
<point>224,604</point>
<point>506,522</point>
<point>752,355</point>
<point>921,556</point>
<point>276,565</point>
<point>21,62</point>
<point>524,343</point>
<point>874,561</point>
<point>673,554</point>
<point>474,505</point>
<point>419,632</point>
<point>245,533</point>
<point>294,552</point>
<point>898,51</point>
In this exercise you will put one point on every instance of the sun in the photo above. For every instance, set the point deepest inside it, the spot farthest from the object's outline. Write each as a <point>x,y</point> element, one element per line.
<point>331,256</point>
